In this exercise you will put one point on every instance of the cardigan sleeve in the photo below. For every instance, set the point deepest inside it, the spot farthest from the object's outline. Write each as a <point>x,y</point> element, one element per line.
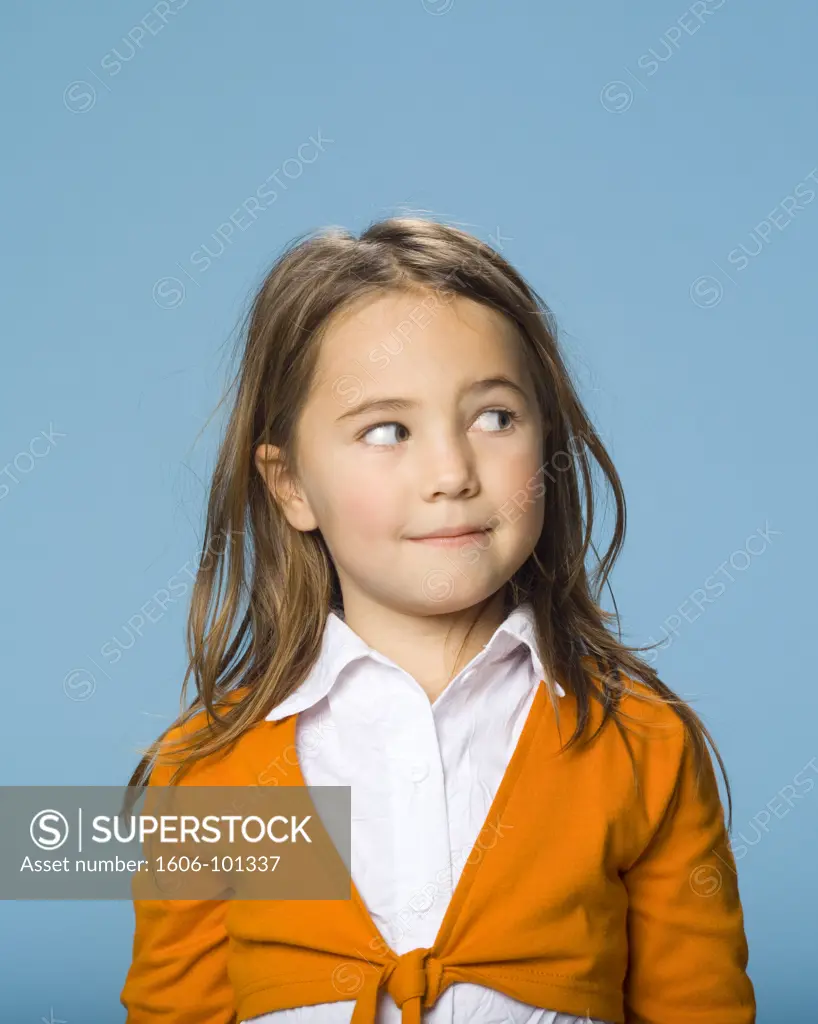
<point>178,972</point>
<point>688,951</point>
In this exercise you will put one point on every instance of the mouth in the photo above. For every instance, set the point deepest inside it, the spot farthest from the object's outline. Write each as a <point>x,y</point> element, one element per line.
<point>453,537</point>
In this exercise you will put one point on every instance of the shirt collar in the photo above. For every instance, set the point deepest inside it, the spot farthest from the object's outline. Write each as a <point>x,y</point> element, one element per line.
<point>341,645</point>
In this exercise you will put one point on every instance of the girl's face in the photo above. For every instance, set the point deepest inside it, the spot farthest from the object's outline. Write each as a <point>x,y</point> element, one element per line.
<point>421,420</point>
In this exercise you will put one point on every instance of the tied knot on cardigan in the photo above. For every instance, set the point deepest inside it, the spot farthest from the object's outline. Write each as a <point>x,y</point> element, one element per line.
<point>414,975</point>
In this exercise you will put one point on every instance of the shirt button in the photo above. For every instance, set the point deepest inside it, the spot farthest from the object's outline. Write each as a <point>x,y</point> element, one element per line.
<point>421,902</point>
<point>418,771</point>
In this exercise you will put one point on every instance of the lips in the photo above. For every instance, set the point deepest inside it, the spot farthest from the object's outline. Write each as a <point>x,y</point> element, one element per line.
<point>452,535</point>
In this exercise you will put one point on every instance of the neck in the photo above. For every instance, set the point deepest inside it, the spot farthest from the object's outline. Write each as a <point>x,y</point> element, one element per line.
<point>431,648</point>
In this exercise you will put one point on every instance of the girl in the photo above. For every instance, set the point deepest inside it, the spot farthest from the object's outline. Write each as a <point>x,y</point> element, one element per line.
<point>393,596</point>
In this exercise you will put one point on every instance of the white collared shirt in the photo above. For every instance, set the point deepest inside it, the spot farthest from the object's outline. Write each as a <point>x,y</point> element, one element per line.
<point>423,777</point>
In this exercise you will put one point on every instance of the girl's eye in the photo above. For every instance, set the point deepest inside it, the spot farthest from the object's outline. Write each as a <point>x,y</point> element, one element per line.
<point>378,435</point>
<point>512,416</point>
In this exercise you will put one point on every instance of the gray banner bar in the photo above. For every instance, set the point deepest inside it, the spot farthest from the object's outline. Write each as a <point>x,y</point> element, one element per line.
<point>175,842</point>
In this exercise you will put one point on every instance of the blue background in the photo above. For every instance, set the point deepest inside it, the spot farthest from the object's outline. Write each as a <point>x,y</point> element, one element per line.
<point>616,157</point>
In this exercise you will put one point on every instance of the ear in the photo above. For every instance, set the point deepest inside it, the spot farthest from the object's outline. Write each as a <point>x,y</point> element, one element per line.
<point>284,488</point>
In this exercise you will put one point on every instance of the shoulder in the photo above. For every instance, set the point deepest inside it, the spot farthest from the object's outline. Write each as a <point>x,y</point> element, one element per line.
<point>638,702</point>
<point>656,759</point>
<point>231,764</point>
<point>652,711</point>
<point>670,746</point>
<point>658,733</point>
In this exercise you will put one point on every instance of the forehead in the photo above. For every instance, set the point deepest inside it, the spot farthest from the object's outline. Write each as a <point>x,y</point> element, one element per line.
<point>402,329</point>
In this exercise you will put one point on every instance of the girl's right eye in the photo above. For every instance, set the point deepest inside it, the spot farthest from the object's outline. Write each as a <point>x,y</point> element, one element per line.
<point>382,427</point>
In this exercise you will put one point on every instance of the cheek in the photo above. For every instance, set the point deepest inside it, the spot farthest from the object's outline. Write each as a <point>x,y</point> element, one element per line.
<point>361,505</point>
<point>517,479</point>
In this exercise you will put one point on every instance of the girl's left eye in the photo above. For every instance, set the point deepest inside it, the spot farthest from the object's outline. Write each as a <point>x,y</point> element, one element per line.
<point>513,416</point>
<point>385,427</point>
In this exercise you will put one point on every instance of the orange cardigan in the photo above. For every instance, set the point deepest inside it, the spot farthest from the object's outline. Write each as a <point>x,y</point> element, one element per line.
<point>582,894</point>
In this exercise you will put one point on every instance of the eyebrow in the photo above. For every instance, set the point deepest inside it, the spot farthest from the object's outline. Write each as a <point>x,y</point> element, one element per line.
<point>401,404</point>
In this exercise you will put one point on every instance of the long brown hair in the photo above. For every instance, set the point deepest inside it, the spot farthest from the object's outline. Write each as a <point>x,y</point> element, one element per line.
<point>263,590</point>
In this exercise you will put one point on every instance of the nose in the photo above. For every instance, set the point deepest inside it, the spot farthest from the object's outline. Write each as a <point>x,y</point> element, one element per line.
<point>449,469</point>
